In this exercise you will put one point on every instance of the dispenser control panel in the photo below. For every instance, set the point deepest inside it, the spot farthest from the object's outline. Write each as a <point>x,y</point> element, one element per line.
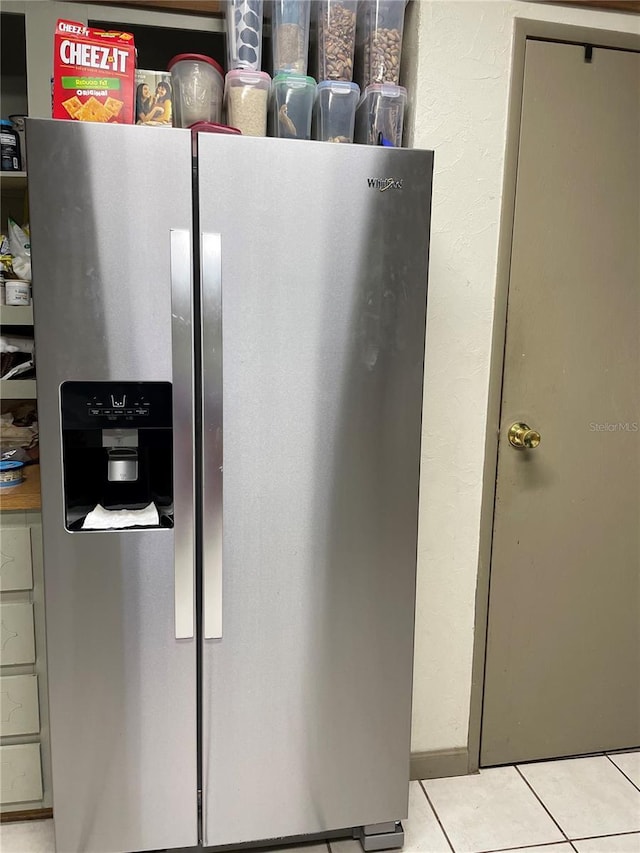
<point>108,405</point>
<point>117,405</point>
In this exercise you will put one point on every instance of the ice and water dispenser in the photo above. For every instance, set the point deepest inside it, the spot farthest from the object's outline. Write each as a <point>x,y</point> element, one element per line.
<point>117,444</point>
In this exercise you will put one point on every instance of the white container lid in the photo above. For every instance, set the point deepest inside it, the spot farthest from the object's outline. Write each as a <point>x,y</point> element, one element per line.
<point>384,90</point>
<point>339,87</point>
<point>293,81</point>
<point>246,77</point>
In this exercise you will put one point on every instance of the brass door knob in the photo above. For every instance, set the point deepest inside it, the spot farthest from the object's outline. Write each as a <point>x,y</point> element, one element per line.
<point>523,437</point>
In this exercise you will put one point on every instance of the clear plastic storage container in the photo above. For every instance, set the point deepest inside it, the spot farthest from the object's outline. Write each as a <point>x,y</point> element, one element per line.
<point>335,111</point>
<point>246,97</point>
<point>336,39</point>
<point>380,115</point>
<point>244,34</point>
<point>198,87</point>
<point>381,24</point>
<point>362,26</point>
<point>290,36</point>
<point>292,106</point>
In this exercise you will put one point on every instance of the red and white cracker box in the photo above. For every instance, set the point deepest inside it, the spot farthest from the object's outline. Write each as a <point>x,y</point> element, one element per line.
<point>93,74</point>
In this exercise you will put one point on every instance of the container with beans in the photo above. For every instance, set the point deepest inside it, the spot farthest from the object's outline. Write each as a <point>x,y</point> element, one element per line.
<point>382,22</point>
<point>336,39</point>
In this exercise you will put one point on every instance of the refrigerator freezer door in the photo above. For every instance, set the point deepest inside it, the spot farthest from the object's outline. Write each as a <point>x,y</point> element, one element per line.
<point>307,694</point>
<point>108,276</point>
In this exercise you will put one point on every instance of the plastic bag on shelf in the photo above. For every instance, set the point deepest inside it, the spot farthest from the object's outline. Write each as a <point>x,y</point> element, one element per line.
<point>19,436</point>
<point>5,254</point>
<point>17,343</point>
<point>17,357</point>
<point>16,364</point>
<point>20,249</point>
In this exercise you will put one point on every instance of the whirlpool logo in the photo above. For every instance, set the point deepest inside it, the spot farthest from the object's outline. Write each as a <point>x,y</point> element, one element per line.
<point>384,184</point>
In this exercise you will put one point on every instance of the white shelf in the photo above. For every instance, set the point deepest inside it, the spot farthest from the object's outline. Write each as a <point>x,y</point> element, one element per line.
<point>16,315</point>
<point>18,389</point>
<point>13,180</point>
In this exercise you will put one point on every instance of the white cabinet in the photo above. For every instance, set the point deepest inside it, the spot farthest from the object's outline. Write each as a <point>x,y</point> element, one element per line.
<point>19,712</point>
<point>15,559</point>
<point>25,778</point>
<point>17,644</point>
<point>21,773</point>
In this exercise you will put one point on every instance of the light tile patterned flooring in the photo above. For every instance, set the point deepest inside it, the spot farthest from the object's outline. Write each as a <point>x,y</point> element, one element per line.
<point>576,805</point>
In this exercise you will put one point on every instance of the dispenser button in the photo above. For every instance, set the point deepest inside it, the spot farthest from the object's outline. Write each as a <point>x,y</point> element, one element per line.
<point>142,411</point>
<point>129,411</point>
<point>95,411</point>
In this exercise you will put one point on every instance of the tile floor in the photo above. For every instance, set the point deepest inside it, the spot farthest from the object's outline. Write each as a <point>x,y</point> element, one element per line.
<point>577,805</point>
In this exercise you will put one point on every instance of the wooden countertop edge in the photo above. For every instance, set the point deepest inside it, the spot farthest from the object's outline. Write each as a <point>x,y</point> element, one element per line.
<point>26,814</point>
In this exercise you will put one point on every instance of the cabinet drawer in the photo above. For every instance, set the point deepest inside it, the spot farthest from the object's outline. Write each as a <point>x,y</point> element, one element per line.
<point>16,634</point>
<point>20,773</point>
<point>15,559</point>
<point>19,705</point>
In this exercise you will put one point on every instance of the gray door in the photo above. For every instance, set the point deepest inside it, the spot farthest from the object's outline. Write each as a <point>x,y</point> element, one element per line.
<point>563,652</point>
<point>310,593</point>
<point>108,277</point>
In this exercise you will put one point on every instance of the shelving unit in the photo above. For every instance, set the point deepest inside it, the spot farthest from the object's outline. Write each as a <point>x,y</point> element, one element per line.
<point>24,735</point>
<point>16,315</point>
<point>18,389</point>
<point>13,180</point>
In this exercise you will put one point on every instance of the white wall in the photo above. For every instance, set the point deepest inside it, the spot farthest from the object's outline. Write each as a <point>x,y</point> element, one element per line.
<point>463,55</point>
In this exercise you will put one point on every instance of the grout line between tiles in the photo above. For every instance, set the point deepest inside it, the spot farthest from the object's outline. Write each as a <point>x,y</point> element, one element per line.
<point>530,787</point>
<point>623,773</point>
<point>608,835</point>
<point>525,847</point>
<point>437,816</point>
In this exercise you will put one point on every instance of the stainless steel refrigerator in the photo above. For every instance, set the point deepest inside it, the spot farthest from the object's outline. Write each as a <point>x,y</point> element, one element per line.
<point>231,340</point>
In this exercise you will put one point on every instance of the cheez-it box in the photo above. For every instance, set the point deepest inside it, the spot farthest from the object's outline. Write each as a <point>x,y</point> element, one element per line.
<point>93,74</point>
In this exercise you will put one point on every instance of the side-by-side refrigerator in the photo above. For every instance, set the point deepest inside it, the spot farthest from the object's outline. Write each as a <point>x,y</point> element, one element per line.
<point>230,339</point>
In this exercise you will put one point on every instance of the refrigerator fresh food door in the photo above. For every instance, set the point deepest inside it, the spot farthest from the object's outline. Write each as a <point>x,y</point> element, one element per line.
<point>111,221</point>
<point>314,280</point>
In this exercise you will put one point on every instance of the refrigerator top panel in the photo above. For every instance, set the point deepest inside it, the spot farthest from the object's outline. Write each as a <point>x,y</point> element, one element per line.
<point>314,277</point>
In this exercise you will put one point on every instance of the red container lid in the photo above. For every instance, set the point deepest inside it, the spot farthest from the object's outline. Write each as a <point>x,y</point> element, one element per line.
<point>212,127</point>
<point>195,57</point>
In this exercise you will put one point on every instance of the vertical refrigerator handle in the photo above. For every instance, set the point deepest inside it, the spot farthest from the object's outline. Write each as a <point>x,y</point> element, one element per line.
<point>183,433</point>
<point>211,306</point>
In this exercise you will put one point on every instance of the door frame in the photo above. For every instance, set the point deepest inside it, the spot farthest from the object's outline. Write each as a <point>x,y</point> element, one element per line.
<point>524,30</point>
